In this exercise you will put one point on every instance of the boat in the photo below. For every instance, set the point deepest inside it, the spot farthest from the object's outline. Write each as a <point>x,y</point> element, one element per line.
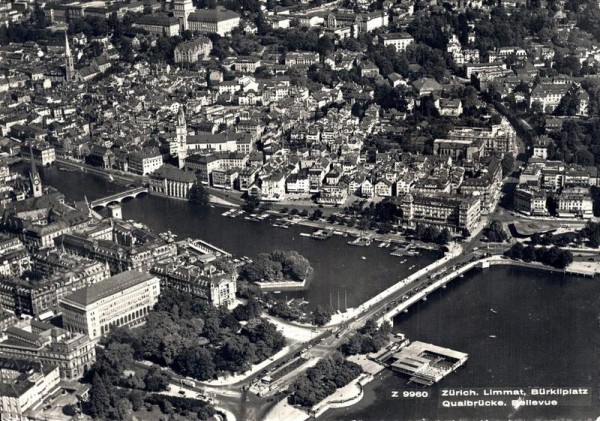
<point>493,311</point>
<point>360,242</point>
<point>462,275</point>
<point>403,261</point>
<point>321,234</point>
<point>492,336</point>
<point>397,252</point>
<point>363,257</point>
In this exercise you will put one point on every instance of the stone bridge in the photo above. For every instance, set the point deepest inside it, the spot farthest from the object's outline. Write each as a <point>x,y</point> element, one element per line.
<point>119,197</point>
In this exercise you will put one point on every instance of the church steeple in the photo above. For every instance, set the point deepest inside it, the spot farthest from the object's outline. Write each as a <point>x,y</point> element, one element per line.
<point>181,137</point>
<point>34,176</point>
<point>69,64</point>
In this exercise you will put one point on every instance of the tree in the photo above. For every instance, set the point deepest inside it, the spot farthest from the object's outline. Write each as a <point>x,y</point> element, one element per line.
<point>136,397</point>
<point>199,194</point>
<point>495,232</point>
<point>123,409</point>
<point>317,214</point>
<point>70,410</point>
<point>529,254</point>
<point>252,203</point>
<point>277,265</point>
<point>592,233</point>
<point>325,45</point>
<point>321,317</point>
<point>156,380</point>
<point>515,252</point>
<point>196,362</point>
<point>248,311</point>
<point>444,237</point>
<point>99,398</point>
<point>225,265</point>
<point>353,345</point>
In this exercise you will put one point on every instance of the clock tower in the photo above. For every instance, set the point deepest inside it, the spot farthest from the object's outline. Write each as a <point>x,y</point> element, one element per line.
<point>36,181</point>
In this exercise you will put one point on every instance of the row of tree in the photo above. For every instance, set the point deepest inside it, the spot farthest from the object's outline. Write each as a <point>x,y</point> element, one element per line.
<point>431,234</point>
<point>322,380</point>
<point>552,256</point>
<point>368,339</point>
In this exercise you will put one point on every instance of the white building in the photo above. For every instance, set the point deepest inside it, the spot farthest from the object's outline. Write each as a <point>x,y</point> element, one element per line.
<point>213,21</point>
<point>145,162</point>
<point>399,40</point>
<point>24,386</point>
<point>122,300</point>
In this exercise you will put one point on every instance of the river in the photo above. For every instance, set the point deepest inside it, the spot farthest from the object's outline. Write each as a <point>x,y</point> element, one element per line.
<point>354,274</point>
<point>543,331</point>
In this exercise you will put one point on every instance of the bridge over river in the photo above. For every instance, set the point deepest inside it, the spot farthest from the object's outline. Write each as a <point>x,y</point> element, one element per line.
<point>441,278</point>
<point>119,197</point>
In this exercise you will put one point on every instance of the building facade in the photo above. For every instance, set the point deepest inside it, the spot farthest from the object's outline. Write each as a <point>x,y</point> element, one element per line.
<point>457,213</point>
<point>145,162</point>
<point>24,385</point>
<point>213,21</point>
<point>122,300</point>
<point>399,40</point>
<point>172,182</point>
<point>216,287</point>
<point>72,353</point>
<point>194,50</point>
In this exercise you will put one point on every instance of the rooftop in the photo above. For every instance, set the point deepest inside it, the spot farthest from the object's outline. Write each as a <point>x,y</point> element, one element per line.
<point>103,289</point>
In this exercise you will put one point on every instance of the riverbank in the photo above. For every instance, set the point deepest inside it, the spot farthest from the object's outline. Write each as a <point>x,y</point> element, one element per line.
<point>232,199</point>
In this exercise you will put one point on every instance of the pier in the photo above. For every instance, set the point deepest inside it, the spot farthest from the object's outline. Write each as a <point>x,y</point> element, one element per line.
<point>204,247</point>
<point>119,197</point>
<point>427,363</point>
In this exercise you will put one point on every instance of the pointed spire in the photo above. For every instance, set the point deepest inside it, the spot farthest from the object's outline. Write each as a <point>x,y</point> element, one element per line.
<point>87,203</point>
<point>67,48</point>
<point>32,162</point>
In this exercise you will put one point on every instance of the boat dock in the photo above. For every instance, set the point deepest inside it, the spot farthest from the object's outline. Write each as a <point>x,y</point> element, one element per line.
<point>427,364</point>
<point>204,247</point>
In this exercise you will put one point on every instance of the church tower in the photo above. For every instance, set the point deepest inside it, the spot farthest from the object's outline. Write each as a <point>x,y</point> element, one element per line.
<point>69,64</point>
<point>181,137</point>
<point>34,176</point>
<point>181,10</point>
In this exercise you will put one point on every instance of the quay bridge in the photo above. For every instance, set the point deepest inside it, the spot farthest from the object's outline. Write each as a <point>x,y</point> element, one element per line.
<point>422,294</point>
<point>119,197</point>
<point>418,294</point>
